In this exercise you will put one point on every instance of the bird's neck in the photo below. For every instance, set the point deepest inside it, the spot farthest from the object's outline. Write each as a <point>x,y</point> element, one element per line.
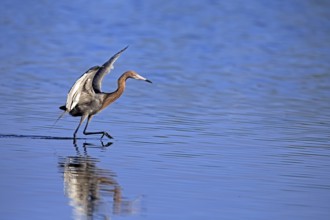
<point>113,96</point>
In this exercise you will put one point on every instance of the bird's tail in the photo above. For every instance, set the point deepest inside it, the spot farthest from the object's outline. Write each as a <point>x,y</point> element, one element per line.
<point>59,117</point>
<point>63,113</point>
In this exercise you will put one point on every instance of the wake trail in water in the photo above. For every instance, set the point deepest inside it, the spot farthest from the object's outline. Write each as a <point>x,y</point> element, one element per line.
<point>37,137</point>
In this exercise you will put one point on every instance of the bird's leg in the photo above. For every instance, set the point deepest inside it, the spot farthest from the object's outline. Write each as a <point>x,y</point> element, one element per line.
<point>96,132</point>
<point>82,119</point>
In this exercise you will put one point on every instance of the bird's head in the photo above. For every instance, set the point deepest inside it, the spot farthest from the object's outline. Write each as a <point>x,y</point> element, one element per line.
<point>134,75</point>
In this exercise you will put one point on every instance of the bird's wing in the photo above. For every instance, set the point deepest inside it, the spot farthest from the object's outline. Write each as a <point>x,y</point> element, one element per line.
<point>105,68</point>
<point>83,84</point>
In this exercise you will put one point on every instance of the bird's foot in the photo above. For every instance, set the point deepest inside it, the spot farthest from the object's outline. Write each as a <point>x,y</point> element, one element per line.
<point>106,134</point>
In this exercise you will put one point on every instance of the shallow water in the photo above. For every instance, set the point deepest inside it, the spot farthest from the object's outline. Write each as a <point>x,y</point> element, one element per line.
<point>234,126</point>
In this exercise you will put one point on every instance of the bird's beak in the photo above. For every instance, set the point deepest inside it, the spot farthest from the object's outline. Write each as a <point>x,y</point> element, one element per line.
<point>142,78</point>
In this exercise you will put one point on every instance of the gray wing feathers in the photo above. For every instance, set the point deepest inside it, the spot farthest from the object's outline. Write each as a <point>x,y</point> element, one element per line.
<point>83,84</point>
<point>105,68</point>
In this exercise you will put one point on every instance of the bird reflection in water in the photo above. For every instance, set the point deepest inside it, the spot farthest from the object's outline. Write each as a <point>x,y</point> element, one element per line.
<point>93,191</point>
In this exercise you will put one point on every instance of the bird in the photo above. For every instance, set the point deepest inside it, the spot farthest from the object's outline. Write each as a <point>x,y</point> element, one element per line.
<point>85,98</point>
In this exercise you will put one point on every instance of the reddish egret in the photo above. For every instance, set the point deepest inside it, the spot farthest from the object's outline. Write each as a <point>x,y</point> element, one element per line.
<point>85,97</point>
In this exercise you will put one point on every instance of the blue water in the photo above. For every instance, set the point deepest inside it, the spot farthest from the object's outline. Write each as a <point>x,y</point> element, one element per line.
<point>234,126</point>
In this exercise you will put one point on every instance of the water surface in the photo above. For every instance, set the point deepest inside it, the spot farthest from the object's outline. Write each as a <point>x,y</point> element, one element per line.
<point>234,126</point>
